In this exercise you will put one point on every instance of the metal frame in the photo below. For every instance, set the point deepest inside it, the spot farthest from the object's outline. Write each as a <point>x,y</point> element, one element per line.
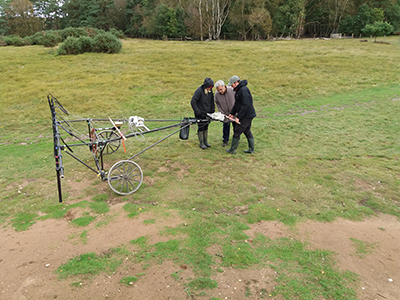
<point>97,145</point>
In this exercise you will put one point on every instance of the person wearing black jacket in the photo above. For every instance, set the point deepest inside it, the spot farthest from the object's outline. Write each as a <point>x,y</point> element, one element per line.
<point>202,103</point>
<point>242,113</point>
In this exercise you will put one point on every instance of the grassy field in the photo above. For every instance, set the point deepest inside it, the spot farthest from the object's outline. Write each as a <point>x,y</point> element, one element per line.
<point>325,140</point>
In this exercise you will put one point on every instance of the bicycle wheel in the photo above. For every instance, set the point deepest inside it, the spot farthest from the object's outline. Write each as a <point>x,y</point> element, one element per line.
<point>111,146</point>
<point>125,177</point>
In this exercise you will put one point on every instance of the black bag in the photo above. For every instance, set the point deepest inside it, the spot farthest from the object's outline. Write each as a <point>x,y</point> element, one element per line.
<point>185,129</point>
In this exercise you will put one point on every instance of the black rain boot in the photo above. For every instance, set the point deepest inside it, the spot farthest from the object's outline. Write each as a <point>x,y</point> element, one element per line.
<point>251,146</point>
<point>205,138</point>
<point>235,143</point>
<point>201,140</point>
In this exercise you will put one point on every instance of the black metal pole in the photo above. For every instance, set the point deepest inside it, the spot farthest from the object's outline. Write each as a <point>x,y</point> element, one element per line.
<point>159,141</point>
<point>56,142</point>
<point>59,186</point>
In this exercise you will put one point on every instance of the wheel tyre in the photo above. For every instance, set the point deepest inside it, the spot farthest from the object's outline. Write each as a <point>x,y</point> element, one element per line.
<point>125,177</point>
<point>111,146</point>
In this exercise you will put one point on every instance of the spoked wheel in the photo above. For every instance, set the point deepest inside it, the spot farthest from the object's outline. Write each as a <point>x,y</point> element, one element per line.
<point>112,146</point>
<point>125,177</point>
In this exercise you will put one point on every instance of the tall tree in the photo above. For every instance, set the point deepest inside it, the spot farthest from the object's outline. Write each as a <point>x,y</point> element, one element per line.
<point>251,18</point>
<point>4,27</point>
<point>392,15</point>
<point>260,21</point>
<point>366,15</point>
<point>169,22</point>
<point>205,17</point>
<point>21,18</point>
<point>50,12</point>
<point>238,17</point>
<point>219,11</point>
<point>289,18</point>
<point>140,16</point>
<point>89,13</point>
<point>339,8</point>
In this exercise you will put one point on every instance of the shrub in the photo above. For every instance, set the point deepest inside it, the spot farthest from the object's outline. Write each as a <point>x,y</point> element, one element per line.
<point>71,46</point>
<point>118,33</point>
<point>377,29</point>
<point>91,32</point>
<point>86,44</point>
<point>50,39</point>
<point>99,31</point>
<point>37,37</point>
<point>26,41</point>
<point>73,32</point>
<point>2,41</point>
<point>14,40</point>
<point>107,43</point>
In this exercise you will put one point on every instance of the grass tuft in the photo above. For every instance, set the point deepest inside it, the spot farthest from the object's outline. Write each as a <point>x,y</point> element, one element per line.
<point>88,265</point>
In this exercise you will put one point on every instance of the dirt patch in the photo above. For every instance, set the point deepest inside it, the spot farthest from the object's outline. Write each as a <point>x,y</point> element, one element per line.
<point>178,169</point>
<point>244,284</point>
<point>379,270</point>
<point>28,259</point>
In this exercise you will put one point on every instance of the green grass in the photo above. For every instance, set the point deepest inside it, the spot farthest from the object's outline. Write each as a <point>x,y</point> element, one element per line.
<point>133,210</point>
<point>88,265</point>
<point>128,280</point>
<point>83,221</point>
<point>315,272</point>
<point>326,141</point>
<point>363,248</point>
<point>23,221</point>
<point>149,221</point>
<point>99,207</point>
<point>202,283</point>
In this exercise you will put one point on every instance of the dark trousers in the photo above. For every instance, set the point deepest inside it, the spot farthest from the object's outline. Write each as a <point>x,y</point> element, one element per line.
<point>226,128</point>
<point>243,127</point>
<point>202,127</point>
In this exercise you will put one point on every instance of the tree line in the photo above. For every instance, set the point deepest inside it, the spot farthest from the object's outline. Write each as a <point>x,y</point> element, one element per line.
<point>204,19</point>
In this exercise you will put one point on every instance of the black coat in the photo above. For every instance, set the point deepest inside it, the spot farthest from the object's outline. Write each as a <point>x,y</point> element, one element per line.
<point>201,102</point>
<point>243,102</point>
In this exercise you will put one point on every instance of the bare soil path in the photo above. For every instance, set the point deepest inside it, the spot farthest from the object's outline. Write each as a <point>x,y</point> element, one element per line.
<point>28,259</point>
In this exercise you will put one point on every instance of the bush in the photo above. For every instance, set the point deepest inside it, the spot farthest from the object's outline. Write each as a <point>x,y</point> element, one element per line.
<point>26,41</point>
<point>86,44</point>
<point>37,37</point>
<point>377,29</point>
<point>118,33</point>
<point>13,40</point>
<point>73,45</point>
<point>91,32</point>
<point>50,39</point>
<point>107,43</point>
<point>73,32</point>
<point>104,42</point>
<point>2,41</point>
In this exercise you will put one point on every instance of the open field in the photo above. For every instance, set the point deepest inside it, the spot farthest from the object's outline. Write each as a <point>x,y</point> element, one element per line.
<point>314,214</point>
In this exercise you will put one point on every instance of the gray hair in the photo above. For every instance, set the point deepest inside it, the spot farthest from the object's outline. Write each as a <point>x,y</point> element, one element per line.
<point>219,83</point>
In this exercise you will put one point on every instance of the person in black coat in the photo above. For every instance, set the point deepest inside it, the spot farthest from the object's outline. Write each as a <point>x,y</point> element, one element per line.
<point>242,113</point>
<point>202,103</point>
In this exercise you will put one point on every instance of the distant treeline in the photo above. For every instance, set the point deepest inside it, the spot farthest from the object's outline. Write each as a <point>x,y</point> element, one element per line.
<point>202,19</point>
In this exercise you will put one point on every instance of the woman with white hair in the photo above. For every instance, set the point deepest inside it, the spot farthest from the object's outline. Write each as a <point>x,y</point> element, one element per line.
<point>224,99</point>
